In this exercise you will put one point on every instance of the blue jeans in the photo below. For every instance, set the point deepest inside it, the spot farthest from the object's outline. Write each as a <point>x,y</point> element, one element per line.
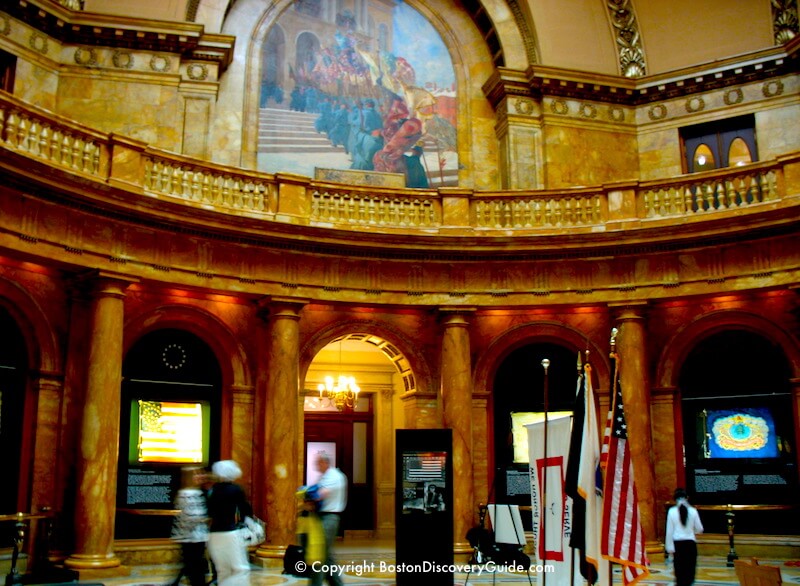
<point>330,525</point>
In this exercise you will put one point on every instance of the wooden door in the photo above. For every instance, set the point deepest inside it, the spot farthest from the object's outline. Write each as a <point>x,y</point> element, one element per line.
<point>349,436</point>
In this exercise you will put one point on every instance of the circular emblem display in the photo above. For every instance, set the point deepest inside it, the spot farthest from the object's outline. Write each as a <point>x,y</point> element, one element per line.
<point>559,107</point>
<point>741,432</point>
<point>772,88</point>
<point>122,59</point>
<point>734,96</point>
<point>616,113</point>
<point>173,356</point>
<point>85,57</point>
<point>197,71</point>
<point>159,63</point>
<point>695,104</point>
<point>657,112</point>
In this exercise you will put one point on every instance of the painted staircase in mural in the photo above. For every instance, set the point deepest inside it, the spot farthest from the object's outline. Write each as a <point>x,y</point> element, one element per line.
<point>292,132</point>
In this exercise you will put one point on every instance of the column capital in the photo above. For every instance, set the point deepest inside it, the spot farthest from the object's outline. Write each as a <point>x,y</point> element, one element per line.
<point>456,316</point>
<point>287,307</point>
<point>100,283</point>
<point>629,311</point>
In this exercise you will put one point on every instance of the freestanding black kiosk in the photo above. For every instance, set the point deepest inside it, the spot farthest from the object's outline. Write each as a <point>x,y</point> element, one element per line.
<point>424,510</point>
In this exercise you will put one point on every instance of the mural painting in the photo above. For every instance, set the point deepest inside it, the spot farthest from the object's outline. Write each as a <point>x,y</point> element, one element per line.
<point>362,85</point>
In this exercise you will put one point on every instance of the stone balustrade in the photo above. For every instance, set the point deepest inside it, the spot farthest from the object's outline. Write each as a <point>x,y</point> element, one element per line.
<point>133,166</point>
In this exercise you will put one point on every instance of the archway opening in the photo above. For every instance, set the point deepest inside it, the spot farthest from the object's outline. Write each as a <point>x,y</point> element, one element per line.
<point>738,429</point>
<point>170,417</point>
<point>518,390</point>
<point>359,437</point>
<point>13,374</point>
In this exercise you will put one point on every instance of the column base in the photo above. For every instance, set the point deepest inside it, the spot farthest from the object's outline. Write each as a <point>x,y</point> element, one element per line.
<point>269,556</point>
<point>462,552</point>
<point>87,561</point>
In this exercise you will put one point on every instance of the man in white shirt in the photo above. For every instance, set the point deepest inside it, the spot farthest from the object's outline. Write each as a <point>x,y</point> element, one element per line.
<point>333,500</point>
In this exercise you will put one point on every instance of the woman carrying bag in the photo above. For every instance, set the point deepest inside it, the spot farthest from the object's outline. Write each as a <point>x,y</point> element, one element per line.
<point>227,504</point>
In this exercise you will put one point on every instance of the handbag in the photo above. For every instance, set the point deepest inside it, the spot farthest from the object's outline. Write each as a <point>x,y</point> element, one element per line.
<point>252,531</point>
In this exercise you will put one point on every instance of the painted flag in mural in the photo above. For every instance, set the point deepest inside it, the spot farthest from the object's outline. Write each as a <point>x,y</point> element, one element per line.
<point>582,485</point>
<point>549,503</point>
<point>622,538</point>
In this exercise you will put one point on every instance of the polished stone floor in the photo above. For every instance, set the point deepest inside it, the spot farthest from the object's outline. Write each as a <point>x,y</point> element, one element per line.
<point>370,565</point>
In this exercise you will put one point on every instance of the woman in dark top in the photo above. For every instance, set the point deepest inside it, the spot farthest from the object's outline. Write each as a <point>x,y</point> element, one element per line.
<point>227,504</point>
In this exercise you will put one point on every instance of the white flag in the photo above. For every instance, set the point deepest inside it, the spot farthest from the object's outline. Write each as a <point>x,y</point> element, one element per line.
<point>551,510</point>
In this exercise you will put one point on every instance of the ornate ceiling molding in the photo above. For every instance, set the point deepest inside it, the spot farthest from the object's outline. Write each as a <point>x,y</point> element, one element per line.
<point>628,39</point>
<point>79,28</point>
<point>784,20</point>
<point>528,35</point>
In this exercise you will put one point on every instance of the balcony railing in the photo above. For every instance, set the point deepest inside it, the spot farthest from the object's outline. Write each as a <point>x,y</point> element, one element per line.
<point>137,168</point>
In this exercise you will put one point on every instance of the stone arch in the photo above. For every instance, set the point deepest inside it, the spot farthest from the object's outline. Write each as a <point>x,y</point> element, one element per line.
<point>420,369</point>
<point>553,332</point>
<point>681,344</point>
<point>206,326</point>
<point>43,349</point>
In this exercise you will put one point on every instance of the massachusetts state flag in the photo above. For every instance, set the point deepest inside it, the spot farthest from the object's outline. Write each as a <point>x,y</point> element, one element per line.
<point>622,538</point>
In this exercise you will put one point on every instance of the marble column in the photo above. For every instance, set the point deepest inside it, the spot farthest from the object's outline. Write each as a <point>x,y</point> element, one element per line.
<point>45,459</point>
<point>666,413</point>
<point>277,389</point>
<point>384,463</point>
<point>795,386</point>
<point>635,382</point>
<point>456,394</point>
<point>98,452</point>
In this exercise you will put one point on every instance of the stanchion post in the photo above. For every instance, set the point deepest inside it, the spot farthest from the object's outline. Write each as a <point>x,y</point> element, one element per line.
<point>731,516</point>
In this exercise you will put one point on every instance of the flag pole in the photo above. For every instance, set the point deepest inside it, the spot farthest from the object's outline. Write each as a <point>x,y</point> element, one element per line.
<point>614,371</point>
<point>572,549</point>
<point>546,366</point>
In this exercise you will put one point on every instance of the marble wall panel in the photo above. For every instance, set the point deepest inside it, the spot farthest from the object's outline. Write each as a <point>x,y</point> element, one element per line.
<point>587,156</point>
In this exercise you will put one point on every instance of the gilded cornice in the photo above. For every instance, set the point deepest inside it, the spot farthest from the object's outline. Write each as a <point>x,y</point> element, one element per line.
<point>581,85</point>
<point>119,32</point>
<point>503,83</point>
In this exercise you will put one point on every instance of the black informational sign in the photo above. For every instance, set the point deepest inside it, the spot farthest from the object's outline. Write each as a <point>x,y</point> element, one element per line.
<point>424,515</point>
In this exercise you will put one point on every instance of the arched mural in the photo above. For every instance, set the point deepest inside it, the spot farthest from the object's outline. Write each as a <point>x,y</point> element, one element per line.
<point>370,90</point>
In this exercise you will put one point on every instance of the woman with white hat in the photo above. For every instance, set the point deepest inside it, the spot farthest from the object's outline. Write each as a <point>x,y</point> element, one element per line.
<point>227,504</point>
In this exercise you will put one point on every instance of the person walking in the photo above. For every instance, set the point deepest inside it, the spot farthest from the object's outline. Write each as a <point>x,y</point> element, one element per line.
<point>227,504</point>
<point>332,491</point>
<point>683,525</point>
<point>190,528</point>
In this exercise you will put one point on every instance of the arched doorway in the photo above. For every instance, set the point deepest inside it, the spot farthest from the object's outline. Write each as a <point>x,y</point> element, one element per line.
<point>739,429</point>
<point>361,436</point>
<point>13,374</point>
<point>170,417</point>
<point>518,390</point>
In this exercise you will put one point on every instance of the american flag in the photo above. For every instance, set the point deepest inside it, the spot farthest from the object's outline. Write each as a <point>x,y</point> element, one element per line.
<point>422,467</point>
<point>622,538</point>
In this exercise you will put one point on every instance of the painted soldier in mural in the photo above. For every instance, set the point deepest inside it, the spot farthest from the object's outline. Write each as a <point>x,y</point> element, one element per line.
<point>368,137</point>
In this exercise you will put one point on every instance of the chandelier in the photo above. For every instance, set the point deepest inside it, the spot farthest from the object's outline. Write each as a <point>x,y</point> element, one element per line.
<point>342,392</point>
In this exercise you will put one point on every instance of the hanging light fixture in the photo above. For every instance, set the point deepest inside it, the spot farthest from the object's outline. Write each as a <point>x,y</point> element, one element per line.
<point>342,392</point>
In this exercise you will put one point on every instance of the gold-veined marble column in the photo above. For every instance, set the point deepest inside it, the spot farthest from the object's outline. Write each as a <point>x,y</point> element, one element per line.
<point>98,452</point>
<point>45,460</point>
<point>635,382</point>
<point>456,393</point>
<point>278,382</point>
<point>795,390</point>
